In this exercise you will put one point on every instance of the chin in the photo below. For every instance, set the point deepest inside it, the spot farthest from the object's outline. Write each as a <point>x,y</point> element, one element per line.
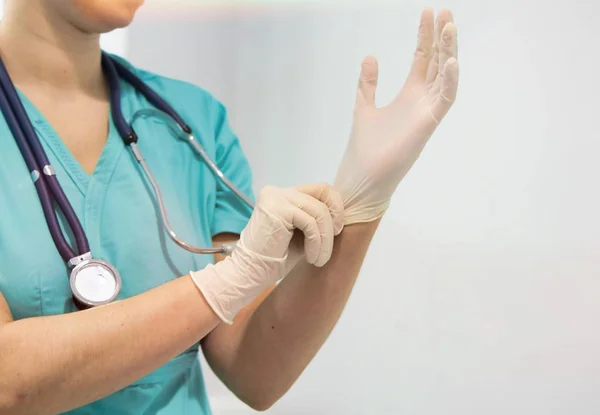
<point>103,16</point>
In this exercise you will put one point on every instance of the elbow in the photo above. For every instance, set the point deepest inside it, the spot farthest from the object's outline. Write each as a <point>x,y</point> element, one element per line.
<point>260,402</point>
<point>259,405</point>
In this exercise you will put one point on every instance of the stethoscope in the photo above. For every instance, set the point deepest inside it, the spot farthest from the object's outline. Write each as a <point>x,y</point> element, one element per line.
<point>95,282</point>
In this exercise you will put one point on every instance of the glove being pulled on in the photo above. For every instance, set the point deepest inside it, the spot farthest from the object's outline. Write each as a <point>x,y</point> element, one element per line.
<point>259,259</point>
<point>385,142</point>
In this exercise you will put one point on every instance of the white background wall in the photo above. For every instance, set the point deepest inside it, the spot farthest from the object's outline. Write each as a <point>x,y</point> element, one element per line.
<point>481,292</point>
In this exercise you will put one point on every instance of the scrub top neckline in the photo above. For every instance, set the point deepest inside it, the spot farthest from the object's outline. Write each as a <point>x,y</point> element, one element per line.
<point>81,178</point>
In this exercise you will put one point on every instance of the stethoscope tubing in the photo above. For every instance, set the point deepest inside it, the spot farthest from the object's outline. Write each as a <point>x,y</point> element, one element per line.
<point>114,71</point>
<point>45,181</point>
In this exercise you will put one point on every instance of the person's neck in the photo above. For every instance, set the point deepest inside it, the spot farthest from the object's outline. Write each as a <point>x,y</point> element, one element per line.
<point>41,51</point>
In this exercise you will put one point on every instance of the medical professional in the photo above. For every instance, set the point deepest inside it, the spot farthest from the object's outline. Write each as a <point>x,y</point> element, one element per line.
<point>261,314</point>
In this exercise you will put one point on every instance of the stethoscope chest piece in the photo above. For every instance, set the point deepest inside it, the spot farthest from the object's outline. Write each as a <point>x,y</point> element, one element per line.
<point>94,282</point>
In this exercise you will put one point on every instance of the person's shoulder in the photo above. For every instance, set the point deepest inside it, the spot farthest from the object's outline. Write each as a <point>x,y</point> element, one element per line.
<point>180,94</point>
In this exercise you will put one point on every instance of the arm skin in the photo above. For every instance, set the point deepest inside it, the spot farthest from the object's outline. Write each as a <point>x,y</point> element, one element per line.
<point>273,340</point>
<point>51,364</point>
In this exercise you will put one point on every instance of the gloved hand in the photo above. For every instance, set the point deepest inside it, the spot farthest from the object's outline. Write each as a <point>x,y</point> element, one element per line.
<point>385,142</point>
<point>259,259</point>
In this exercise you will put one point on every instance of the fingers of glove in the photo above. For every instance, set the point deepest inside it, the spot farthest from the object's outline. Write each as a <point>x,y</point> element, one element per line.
<point>447,46</point>
<point>432,71</point>
<point>312,234</point>
<point>424,50</point>
<point>367,82</point>
<point>443,18</point>
<point>331,198</point>
<point>448,89</point>
<point>318,243</point>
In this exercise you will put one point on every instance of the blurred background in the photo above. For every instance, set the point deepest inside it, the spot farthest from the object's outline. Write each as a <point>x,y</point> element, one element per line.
<point>481,292</point>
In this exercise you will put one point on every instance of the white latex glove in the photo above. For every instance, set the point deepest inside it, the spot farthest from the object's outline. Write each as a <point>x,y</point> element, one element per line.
<point>297,247</point>
<point>385,142</point>
<point>259,259</point>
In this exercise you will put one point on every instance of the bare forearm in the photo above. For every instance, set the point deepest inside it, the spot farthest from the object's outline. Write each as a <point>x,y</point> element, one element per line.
<point>267,351</point>
<point>52,364</point>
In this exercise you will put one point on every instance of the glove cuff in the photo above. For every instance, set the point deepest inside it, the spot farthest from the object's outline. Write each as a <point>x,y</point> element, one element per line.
<point>364,214</point>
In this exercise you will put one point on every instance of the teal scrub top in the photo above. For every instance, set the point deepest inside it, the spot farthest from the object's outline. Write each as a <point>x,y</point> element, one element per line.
<point>117,210</point>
